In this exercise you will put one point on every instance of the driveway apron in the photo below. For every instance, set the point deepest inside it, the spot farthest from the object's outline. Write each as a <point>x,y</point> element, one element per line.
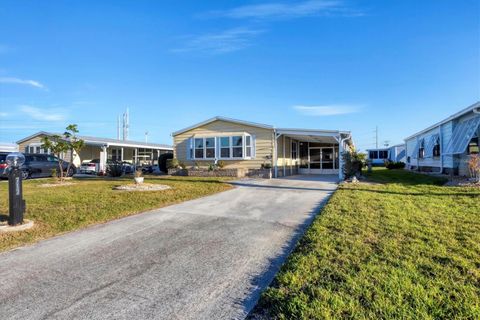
<point>208,258</point>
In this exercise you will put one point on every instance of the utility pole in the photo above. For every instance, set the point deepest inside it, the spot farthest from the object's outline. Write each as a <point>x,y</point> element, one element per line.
<point>146,136</point>
<point>376,137</point>
<point>126,125</point>
<point>118,127</point>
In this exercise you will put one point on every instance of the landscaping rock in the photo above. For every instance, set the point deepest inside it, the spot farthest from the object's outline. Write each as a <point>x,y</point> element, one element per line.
<point>142,187</point>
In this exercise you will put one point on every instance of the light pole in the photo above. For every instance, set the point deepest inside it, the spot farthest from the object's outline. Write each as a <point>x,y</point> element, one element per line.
<point>16,203</point>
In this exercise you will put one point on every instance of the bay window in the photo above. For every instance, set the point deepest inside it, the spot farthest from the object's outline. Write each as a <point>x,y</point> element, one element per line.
<point>222,147</point>
<point>248,146</point>
<point>199,148</point>
<point>225,147</point>
<point>210,148</point>
<point>237,146</point>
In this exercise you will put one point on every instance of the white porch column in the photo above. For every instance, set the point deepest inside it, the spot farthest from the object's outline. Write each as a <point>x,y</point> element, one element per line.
<point>340,158</point>
<point>121,154</point>
<point>135,158</point>
<point>283,160</point>
<point>275,154</point>
<point>103,159</point>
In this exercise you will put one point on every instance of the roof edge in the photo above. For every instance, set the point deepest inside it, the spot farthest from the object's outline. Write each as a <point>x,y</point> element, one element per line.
<point>453,116</point>
<point>219,118</point>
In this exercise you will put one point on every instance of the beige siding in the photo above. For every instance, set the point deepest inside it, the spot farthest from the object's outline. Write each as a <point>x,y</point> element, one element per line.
<point>263,143</point>
<point>34,140</point>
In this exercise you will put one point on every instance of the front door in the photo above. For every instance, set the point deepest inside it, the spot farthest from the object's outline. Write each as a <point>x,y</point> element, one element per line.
<point>321,160</point>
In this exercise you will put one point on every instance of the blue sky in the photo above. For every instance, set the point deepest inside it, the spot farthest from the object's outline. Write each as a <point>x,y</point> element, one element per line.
<point>350,65</point>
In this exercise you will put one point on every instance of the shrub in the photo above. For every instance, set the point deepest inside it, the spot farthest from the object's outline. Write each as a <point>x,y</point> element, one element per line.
<point>115,170</point>
<point>182,164</point>
<point>353,163</point>
<point>221,164</point>
<point>266,166</point>
<point>162,161</point>
<point>394,165</point>
<point>474,167</point>
<point>172,163</point>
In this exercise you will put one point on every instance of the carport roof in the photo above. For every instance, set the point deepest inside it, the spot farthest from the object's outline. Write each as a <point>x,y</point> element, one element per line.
<point>96,141</point>
<point>311,135</point>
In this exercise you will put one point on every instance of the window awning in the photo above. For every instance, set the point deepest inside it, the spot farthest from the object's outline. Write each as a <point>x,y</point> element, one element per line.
<point>414,153</point>
<point>461,136</point>
<point>431,140</point>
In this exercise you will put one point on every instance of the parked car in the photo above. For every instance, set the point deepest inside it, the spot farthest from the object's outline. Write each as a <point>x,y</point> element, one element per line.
<point>39,165</point>
<point>148,169</point>
<point>127,167</point>
<point>3,164</point>
<point>90,167</point>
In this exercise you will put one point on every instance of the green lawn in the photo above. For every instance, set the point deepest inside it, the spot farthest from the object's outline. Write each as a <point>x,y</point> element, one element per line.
<point>61,209</point>
<point>402,248</point>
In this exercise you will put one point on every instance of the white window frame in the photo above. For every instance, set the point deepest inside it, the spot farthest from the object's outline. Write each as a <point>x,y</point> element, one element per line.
<point>204,148</point>
<point>218,147</point>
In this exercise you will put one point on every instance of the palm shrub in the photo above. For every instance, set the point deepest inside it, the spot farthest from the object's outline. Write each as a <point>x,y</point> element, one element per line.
<point>115,170</point>
<point>353,162</point>
<point>172,163</point>
<point>162,161</point>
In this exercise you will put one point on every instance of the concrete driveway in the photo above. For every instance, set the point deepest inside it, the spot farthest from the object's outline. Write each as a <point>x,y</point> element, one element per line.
<point>203,259</point>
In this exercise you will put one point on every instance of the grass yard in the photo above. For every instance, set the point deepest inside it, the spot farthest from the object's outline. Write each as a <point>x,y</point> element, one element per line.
<point>58,210</point>
<point>405,248</point>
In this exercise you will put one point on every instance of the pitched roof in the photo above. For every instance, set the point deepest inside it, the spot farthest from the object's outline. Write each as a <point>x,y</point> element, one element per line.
<point>218,118</point>
<point>102,141</point>
<point>468,109</point>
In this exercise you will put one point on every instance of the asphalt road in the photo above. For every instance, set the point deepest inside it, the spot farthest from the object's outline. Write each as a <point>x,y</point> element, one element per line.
<point>203,259</point>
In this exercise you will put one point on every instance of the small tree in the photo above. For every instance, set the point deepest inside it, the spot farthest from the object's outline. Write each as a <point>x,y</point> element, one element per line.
<point>59,145</point>
<point>74,142</point>
<point>353,162</point>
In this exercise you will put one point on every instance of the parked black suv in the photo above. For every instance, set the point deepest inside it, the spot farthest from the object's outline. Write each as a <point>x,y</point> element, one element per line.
<point>37,165</point>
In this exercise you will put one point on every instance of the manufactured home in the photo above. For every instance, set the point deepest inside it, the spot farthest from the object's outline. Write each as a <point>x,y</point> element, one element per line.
<point>395,153</point>
<point>446,146</point>
<point>249,145</point>
<point>103,149</point>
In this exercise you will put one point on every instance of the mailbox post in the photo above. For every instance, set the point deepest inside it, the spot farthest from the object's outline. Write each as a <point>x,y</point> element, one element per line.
<point>15,191</point>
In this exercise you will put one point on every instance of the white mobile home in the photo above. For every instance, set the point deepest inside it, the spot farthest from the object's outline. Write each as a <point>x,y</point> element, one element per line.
<point>395,153</point>
<point>446,146</point>
<point>103,149</point>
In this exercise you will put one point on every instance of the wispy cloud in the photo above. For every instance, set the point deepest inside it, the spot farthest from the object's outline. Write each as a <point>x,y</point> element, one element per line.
<point>3,114</point>
<point>327,110</point>
<point>32,83</point>
<point>281,10</point>
<point>222,42</point>
<point>42,114</point>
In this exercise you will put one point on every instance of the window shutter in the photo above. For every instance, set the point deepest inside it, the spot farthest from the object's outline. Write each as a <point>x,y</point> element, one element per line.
<point>254,147</point>
<point>189,149</point>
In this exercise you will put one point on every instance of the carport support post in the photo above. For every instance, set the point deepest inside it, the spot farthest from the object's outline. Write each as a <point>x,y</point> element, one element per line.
<point>103,159</point>
<point>275,154</point>
<point>121,154</point>
<point>340,158</point>
<point>135,159</point>
<point>283,160</point>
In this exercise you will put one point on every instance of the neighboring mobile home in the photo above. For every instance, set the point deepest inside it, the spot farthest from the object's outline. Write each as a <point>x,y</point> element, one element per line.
<point>249,145</point>
<point>446,146</point>
<point>8,147</point>
<point>137,153</point>
<point>394,153</point>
